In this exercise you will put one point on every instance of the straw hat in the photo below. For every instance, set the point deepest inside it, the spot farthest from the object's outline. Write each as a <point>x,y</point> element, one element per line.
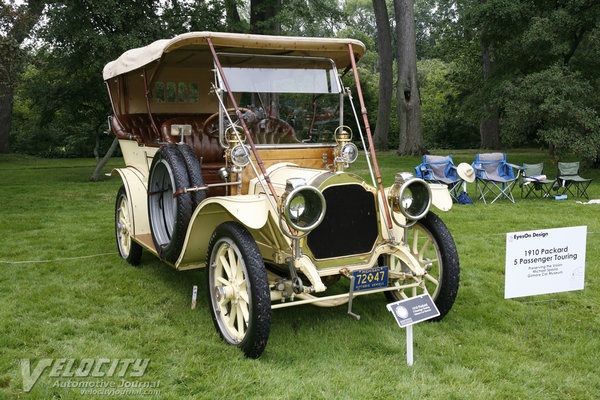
<point>466,172</point>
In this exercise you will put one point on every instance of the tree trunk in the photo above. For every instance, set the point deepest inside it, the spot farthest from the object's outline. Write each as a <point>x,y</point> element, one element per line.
<point>489,128</point>
<point>233,16</point>
<point>6,107</point>
<point>386,75</point>
<point>407,92</point>
<point>96,175</point>
<point>263,15</point>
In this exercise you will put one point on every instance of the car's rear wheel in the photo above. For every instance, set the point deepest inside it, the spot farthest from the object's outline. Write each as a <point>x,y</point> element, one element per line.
<point>431,243</point>
<point>238,289</point>
<point>128,249</point>
<point>169,208</point>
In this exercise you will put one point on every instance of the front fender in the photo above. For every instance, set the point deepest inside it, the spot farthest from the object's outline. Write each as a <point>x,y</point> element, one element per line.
<point>440,196</point>
<point>251,211</point>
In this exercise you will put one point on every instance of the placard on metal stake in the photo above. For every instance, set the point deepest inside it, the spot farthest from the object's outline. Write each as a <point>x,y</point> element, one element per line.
<point>409,346</point>
<point>529,303</point>
<point>409,312</point>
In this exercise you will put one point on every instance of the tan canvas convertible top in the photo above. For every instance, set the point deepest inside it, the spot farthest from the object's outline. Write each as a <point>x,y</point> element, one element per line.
<point>336,49</point>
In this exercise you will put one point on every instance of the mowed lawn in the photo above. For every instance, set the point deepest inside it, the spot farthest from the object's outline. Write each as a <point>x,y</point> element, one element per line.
<point>66,294</point>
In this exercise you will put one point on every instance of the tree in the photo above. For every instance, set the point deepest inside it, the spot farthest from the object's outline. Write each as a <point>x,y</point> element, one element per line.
<point>407,91</point>
<point>386,77</point>
<point>64,89</point>
<point>489,128</point>
<point>263,16</point>
<point>15,24</point>
<point>557,106</point>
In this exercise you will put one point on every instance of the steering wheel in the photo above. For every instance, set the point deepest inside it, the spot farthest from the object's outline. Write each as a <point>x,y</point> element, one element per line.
<point>211,125</point>
<point>273,130</point>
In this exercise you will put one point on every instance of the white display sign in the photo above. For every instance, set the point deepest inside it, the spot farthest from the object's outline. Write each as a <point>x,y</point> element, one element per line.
<point>545,261</point>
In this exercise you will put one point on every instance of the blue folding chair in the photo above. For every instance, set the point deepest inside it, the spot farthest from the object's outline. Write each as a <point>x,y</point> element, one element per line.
<point>495,176</point>
<point>440,169</point>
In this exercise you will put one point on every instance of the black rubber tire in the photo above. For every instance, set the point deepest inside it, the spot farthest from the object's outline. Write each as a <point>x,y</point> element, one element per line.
<point>449,268</point>
<point>256,328</point>
<point>169,216</point>
<point>194,171</point>
<point>128,249</point>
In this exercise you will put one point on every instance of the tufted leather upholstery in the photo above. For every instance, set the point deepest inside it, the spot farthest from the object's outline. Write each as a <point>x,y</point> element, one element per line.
<point>136,126</point>
<point>206,148</point>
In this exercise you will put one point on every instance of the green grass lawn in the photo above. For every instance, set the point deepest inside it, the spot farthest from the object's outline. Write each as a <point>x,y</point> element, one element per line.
<point>65,293</point>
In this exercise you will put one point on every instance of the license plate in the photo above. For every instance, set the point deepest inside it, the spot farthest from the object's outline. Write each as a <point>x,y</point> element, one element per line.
<point>372,278</point>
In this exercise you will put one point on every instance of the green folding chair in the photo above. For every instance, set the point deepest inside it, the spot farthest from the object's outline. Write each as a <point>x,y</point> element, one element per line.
<point>569,180</point>
<point>533,183</point>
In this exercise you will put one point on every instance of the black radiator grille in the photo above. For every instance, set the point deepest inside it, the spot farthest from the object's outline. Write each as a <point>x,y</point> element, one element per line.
<point>350,223</point>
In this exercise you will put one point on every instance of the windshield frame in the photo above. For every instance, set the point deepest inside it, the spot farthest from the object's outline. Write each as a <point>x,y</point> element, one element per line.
<point>289,63</point>
<point>280,62</point>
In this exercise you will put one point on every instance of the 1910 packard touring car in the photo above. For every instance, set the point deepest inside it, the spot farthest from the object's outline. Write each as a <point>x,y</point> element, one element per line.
<point>236,154</point>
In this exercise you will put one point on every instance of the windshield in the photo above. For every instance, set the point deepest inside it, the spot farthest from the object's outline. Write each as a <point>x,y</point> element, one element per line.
<point>285,100</point>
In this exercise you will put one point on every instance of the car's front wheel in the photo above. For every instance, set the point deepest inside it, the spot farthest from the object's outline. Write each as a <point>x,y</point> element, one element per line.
<point>238,289</point>
<point>431,243</point>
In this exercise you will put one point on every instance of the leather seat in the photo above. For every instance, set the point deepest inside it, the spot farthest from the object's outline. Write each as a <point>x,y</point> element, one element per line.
<point>205,147</point>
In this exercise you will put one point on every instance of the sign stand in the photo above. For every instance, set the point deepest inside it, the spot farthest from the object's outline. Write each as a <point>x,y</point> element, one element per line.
<point>409,312</point>
<point>529,303</point>
<point>409,346</point>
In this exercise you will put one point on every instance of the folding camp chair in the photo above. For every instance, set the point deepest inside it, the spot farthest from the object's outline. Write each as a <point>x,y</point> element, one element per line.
<point>440,169</point>
<point>570,182</point>
<point>494,175</point>
<point>534,183</point>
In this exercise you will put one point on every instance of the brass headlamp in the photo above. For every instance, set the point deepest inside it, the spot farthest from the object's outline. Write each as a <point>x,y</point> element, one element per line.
<point>410,196</point>
<point>302,206</point>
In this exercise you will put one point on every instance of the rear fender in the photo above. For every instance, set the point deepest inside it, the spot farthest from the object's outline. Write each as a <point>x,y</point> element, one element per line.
<point>137,193</point>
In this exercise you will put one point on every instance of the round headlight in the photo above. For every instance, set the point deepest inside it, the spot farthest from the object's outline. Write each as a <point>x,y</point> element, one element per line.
<point>239,155</point>
<point>304,208</point>
<point>349,152</point>
<point>410,196</point>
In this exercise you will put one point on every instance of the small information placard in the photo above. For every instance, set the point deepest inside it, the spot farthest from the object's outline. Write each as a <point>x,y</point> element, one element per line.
<point>545,261</point>
<point>413,310</point>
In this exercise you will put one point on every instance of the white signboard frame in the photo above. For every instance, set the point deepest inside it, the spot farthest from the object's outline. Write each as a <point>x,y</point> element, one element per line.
<point>545,261</point>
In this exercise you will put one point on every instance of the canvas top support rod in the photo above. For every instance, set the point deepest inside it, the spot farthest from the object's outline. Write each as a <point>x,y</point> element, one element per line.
<point>363,111</point>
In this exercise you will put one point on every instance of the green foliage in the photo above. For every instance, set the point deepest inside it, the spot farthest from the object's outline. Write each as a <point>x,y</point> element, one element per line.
<point>320,18</point>
<point>529,42</point>
<point>554,106</point>
<point>62,103</point>
<point>369,84</point>
<point>443,123</point>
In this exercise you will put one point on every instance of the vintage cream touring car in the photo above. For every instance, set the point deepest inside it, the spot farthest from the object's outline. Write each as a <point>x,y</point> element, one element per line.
<point>236,154</point>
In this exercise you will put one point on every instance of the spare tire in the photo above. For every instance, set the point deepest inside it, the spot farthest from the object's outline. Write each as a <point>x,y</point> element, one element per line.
<point>194,173</point>
<point>169,214</point>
